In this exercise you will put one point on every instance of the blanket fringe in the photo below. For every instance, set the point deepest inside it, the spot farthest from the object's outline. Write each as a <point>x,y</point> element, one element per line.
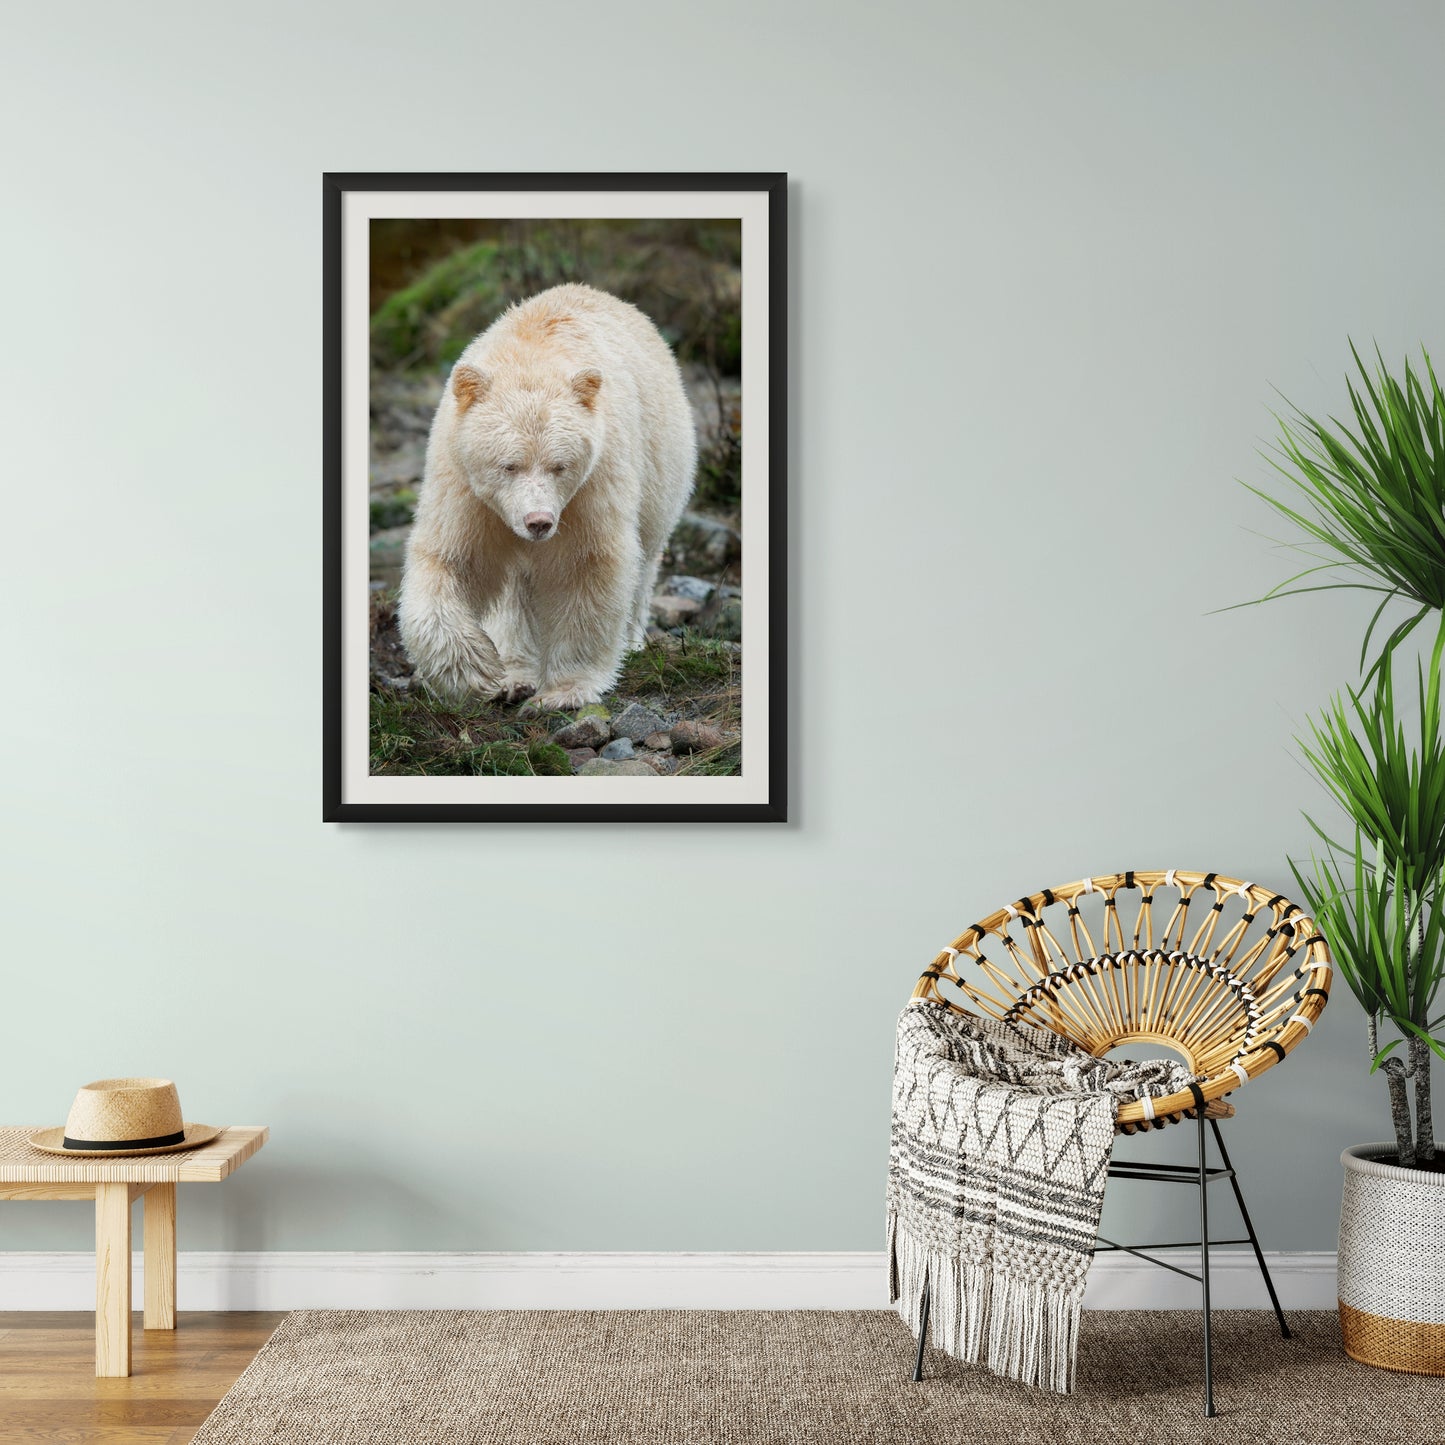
<point>1022,1329</point>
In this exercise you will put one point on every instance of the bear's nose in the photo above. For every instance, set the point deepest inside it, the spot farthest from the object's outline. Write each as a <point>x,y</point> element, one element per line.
<point>538,523</point>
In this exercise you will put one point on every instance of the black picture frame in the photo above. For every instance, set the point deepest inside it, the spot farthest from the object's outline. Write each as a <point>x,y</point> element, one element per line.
<point>335,807</point>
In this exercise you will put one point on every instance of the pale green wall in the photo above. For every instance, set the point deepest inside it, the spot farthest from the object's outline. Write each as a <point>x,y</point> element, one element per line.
<point>1046,263</point>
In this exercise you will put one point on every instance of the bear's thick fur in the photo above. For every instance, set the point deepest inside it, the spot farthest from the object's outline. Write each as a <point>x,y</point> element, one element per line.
<point>559,461</point>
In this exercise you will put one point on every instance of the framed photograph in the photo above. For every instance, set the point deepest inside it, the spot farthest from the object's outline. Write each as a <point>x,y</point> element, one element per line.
<point>555,498</point>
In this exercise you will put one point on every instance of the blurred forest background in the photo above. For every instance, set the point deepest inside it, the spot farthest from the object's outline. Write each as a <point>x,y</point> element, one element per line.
<point>436,284</point>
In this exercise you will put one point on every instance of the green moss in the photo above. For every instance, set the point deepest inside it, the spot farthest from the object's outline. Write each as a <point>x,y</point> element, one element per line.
<point>538,758</point>
<point>701,660</point>
<point>699,665</point>
<point>432,314</point>
<point>415,733</point>
<point>548,760</point>
<point>394,511</point>
<point>499,760</point>
<point>682,274</point>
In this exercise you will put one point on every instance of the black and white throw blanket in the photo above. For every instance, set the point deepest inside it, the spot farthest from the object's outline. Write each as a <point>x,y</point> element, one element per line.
<point>1000,1151</point>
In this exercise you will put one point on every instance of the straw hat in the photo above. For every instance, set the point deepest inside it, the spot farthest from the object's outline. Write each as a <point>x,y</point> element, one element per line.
<point>116,1117</point>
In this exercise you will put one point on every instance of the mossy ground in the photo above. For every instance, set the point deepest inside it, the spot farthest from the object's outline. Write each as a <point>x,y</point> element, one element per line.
<point>434,317</point>
<point>685,275</point>
<point>414,733</point>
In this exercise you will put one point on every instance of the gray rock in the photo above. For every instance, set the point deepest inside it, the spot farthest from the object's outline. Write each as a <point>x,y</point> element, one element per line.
<point>691,587</point>
<point>696,737</point>
<point>585,732</point>
<point>400,468</point>
<point>657,742</point>
<point>661,763</point>
<point>674,611</point>
<point>702,538</point>
<point>579,756</point>
<point>635,722</point>
<point>605,768</point>
<point>617,750</point>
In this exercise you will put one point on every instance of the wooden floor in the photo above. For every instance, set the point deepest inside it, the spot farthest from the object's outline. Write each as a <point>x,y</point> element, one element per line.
<point>49,1392</point>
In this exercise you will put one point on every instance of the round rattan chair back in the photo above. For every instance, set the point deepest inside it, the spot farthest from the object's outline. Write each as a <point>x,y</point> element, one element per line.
<point>1234,980</point>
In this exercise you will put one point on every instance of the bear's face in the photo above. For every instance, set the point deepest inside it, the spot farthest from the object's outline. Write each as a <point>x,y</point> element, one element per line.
<point>526,447</point>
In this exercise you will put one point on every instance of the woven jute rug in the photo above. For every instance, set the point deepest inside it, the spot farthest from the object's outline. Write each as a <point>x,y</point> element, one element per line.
<point>687,1377</point>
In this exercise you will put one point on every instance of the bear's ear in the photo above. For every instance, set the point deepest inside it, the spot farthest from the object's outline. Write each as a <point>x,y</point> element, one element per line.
<point>586,385</point>
<point>470,385</point>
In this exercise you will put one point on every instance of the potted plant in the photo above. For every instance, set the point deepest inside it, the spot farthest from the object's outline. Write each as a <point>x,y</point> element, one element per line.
<point>1371,500</point>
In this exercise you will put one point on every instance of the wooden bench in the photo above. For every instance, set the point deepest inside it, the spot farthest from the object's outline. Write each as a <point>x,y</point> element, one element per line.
<point>114,1185</point>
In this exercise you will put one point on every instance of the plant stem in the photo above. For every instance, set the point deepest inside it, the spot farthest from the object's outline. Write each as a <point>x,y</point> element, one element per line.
<point>1424,1118</point>
<point>1400,1112</point>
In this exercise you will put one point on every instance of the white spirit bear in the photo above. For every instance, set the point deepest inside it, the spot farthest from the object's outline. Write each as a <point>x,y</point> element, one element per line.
<point>560,459</point>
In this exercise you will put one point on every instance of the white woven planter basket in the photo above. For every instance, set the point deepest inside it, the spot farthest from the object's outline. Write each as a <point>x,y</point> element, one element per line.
<point>1392,1263</point>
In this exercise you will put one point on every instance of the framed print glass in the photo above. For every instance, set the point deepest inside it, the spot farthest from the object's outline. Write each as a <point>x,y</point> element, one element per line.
<point>555,497</point>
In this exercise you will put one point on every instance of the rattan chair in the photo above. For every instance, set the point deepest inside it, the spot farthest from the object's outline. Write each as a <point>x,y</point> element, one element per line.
<point>1233,1000</point>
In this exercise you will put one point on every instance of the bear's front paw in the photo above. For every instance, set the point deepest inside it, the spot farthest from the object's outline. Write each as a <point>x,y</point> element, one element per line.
<point>459,684</point>
<point>563,698</point>
<point>515,690</point>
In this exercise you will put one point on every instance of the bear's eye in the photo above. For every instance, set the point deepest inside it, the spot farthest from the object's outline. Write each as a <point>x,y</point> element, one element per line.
<point>511,468</point>
<point>558,468</point>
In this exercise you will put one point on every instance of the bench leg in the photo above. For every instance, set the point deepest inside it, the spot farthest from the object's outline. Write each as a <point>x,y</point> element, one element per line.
<point>112,1279</point>
<point>160,1257</point>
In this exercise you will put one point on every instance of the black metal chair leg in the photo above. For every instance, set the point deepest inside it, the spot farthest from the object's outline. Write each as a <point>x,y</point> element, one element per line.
<point>1204,1270</point>
<point>1249,1229</point>
<point>922,1337</point>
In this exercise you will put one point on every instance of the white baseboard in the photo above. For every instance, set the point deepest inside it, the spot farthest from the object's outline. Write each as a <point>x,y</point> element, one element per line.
<point>1303,1281</point>
<point>278,1280</point>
